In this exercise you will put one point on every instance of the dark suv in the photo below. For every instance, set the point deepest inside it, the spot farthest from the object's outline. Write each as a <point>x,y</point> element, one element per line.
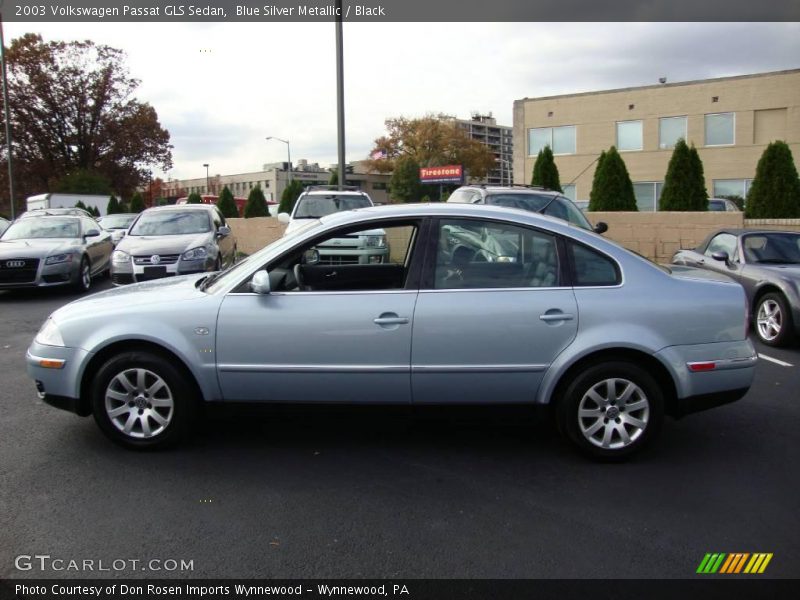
<point>533,199</point>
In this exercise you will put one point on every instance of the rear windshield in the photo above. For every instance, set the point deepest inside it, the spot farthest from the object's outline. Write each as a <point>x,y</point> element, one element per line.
<point>553,206</point>
<point>172,222</point>
<point>316,207</point>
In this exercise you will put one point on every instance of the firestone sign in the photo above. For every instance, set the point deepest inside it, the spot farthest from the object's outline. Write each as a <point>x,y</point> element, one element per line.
<point>444,174</point>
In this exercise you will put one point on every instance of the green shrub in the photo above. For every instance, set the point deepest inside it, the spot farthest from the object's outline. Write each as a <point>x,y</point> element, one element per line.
<point>194,198</point>
<point>137,203</point>
<point>545,171</point>
<point>227,205</point>
<point>289,196</point>
<point>612,189</point>
<point>256,204</point>
<point>775,191</point>
<point>684,184</point>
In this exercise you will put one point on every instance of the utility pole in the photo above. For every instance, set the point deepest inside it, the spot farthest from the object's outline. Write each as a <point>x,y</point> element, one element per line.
<point>7,118</point>
<point>340,93</point>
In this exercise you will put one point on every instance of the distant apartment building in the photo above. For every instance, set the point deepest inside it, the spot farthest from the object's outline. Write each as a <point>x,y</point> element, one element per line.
<point>274,177</point>
<point>498,138</point>
<point>730,121</point>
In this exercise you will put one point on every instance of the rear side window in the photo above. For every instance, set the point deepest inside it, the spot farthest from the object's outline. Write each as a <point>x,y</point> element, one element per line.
<point>591,268</point>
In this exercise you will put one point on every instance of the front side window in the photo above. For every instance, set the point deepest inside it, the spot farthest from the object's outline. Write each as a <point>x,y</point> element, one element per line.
<point>475,254</point>
<point>670,130</point>
<point>720,129</point>
<point>560,139</point>
<point>724,242</point>
<point>629,136</point>
<point>591,268</point>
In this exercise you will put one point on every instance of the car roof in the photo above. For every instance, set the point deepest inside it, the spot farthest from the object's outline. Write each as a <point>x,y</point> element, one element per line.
<point>333,192</point>
<point>168,207</point>
<point>515,189</point>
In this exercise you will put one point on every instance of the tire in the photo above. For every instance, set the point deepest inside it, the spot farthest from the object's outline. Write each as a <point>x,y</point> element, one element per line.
<point>83,278</point>
<point>133,410</point>
<point>610,430</point>
<point>218,264</point>
<point>773,320</point>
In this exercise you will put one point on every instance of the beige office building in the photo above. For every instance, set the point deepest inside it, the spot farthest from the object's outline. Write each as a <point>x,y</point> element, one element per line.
<point>730,120</point>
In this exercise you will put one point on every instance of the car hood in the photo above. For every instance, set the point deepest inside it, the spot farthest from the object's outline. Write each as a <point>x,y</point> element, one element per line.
<point>146,245</point>
<point>36,248</point>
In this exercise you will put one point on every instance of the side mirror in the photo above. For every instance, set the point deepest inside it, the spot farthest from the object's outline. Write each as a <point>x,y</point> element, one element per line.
<point>721,256</point>
<point>91,233</point>
<point>284,217</point>
<point>223,231</point>
<point>311,257</point>
<point>260,283</point>
<point>601,227</point>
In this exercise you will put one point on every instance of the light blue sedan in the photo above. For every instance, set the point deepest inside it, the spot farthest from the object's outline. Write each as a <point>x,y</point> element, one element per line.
<point>475,305</point>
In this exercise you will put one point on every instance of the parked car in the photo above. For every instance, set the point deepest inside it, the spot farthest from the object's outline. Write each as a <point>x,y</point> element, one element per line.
<point>551,314</point>
<point>117,224</point>
<point>722,205</point>
<point>530,198</point>
<point>767,264</point>
<point>73,212</point>
<point>4,223</point>
<point>360,247</point>
<point>166,241</point>
<point>44,251</point>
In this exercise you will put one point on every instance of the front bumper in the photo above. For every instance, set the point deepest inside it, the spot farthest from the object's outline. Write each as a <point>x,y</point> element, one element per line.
<point>45,276</point>
<point>58,386</point>
<point>126,273</point>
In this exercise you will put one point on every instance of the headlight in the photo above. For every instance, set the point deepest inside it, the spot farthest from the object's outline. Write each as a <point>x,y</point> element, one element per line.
<point>376,241</point>
<point>49,335</point>
<point>57,259</point>
<point>195,254</point>
<point>120,257</point>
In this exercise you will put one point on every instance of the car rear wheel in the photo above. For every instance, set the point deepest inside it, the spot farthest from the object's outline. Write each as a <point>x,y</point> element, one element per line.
<point>611,410</point>
<point>773,320</point>
<point>142,401</point>
<point>83,281</point>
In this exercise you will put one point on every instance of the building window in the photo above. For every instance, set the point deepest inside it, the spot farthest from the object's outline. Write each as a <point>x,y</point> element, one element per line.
<point>629,136</point>
<point>731,187</point>
<point>670,130</point>
<point>570,191</point>
<point>647,193</point>
<point>720,129</point>
<point>560,139</point>
<point>379,185</point>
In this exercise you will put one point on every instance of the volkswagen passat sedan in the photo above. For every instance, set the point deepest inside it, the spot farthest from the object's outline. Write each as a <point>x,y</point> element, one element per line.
<point>173,240</point>
<point>476,305</point>
<point>45,251</point>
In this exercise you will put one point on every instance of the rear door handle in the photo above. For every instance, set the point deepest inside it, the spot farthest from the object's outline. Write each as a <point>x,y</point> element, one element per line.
<point>549,318</point>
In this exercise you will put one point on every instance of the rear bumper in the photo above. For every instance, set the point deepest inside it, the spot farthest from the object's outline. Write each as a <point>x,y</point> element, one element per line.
<point>693,404</point>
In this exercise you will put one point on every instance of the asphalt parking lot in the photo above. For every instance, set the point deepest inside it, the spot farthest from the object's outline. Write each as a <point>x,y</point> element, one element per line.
<point>386,493</point>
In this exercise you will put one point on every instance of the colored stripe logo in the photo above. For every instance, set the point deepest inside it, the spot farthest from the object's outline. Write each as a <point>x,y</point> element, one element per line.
<point>734,563</point>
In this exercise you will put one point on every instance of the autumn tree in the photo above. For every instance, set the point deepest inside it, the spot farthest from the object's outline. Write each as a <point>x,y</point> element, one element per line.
<point>775,191</point>
<point>684,184</point>
<point>256,204</point>
<point>74,110</point>
<point>545,171</point>
<point>227,205</point>
<point>431,141</point>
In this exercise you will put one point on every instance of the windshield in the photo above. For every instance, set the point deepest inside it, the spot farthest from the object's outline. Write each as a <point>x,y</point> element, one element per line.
<point>117,221</point>
<point>553,206</point>
<point>172,222</point>
<point>316,207</point>
<point>772,248</point>
<point>43,227</point>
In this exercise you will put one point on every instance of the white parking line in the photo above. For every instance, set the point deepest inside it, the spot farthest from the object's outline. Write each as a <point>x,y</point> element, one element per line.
<point>775,360</point>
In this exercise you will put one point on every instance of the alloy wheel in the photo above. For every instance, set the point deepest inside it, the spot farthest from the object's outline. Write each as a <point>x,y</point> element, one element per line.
<point>139,403</point>
<point>613,413</point>
<point>769,319</point>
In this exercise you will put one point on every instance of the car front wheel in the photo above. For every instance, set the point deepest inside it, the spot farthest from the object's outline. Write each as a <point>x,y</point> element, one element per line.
<point>611,410</point>
<point>142,401</point>
<point>83,278</point>
<point>773,320</point>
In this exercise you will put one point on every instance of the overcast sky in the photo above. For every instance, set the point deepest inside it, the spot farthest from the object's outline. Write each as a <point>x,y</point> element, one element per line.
<point>221,88</point>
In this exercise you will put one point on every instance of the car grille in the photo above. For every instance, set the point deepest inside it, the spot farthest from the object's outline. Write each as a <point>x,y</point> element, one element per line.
<point>338,260</point>
<point>163,259</point>
<point>18,270</point>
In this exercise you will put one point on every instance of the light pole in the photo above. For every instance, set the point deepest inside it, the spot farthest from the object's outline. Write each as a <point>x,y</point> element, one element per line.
<point>288,153</point>
<point>8,124</point>
<point>208,190</point>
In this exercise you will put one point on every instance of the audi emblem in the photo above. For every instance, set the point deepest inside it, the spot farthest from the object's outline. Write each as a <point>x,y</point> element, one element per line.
<point>155,259</point>
<point>15,264</point>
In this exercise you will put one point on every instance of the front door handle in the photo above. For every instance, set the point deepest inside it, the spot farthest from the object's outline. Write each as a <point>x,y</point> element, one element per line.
<point>393,320</point>
<point>551,317</point>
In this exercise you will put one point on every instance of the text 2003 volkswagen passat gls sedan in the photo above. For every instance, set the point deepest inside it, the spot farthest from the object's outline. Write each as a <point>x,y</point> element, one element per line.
<point>476,304</point>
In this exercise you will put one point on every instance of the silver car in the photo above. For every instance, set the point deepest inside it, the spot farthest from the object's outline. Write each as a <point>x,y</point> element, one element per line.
<point>48,251</point>
<point>478,305</point>
<point>173,240</point>
<point>117,225</point>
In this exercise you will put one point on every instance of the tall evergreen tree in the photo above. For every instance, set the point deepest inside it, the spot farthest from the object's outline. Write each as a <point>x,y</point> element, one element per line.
<point>194,198</point>
<point>137,203</point>
<point>597,171</point>
<point>227,205</point>
<point>775,191</point>
<point>113,207</point>
<point>80,204</point>
<point>256,204</point>
<point>334,178</point>
<point>545,171</point>
<point>404,184</point>
<point>289,196</point>
<point>612,189</point>
<point>684,184</point>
